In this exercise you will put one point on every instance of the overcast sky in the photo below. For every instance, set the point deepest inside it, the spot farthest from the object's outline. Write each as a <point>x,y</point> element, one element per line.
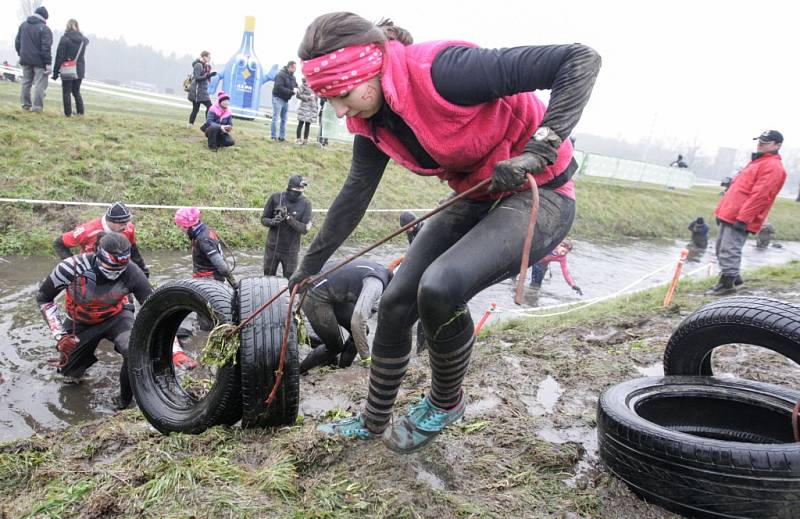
<point>717,72</point>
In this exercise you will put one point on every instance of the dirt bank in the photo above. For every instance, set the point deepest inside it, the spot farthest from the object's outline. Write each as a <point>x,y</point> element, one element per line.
<point>525,449</point>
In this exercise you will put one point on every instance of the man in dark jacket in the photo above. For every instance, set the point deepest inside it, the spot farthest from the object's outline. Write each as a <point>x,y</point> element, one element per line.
<point>288,216</point>
<point>33,43</point>
<point>745,206</point>
<point>284,88</point>
<point>699,230</point>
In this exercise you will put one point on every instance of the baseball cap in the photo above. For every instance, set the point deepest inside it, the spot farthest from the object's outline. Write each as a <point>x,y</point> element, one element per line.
<point>297,182</point>
<point>770,136</point>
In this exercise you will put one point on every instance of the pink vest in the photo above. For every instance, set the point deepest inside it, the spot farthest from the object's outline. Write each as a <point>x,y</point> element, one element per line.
<point>466,141</point>
<point>220,112</point>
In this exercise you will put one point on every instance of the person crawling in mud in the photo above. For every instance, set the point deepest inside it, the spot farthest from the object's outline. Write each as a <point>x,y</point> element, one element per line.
<point>464,114</point>
<point>97,286</point>
<point>346,297</point>
<point>557,255</point>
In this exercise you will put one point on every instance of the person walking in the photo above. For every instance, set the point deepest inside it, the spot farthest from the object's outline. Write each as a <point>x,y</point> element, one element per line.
<point>745,206</point>
<point>71,47</point>
<point>287,215</point>
<point>198,89</point>
<point>284,88</point>
<point>307,112</point>
<point>33,44</point>
<point>97,285</point>
<point>466,115</point>
<point>219,123</point>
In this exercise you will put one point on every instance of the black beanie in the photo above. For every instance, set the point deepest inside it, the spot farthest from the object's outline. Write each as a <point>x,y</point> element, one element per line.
<point>41,11</point>
<point>406,217</point>
<point>115,244</point>
<point>118,213</point>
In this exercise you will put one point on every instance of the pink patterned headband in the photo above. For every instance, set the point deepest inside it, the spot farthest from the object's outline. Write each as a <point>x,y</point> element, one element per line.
<point>340,71</point>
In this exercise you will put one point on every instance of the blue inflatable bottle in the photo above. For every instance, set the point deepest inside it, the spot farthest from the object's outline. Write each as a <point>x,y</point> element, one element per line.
<point>243,76</point>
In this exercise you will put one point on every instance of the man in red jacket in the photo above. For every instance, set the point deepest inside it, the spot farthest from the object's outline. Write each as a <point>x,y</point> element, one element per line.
<point>745,206</point>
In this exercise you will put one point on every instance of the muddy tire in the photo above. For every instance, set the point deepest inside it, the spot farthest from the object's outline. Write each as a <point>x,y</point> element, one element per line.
<point>260,352</point>
<point>162,400</point>
<point>737,459</point>
<point>756,321</point>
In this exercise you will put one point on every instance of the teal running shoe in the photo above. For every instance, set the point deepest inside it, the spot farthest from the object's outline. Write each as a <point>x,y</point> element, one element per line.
<point>353,427</point>
<point>423,422</point>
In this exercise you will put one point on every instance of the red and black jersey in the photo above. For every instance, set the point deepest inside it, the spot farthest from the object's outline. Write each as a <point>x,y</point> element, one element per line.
<point>91,297</point>
<point>86,235</point>
<point>207,256</point>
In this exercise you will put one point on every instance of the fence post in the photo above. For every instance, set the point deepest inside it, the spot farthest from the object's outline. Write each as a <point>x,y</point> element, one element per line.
<point>676,277</point>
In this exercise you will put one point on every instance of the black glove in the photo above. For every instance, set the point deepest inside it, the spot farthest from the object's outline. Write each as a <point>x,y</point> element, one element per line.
<point>740,226</point>
<point>577,289</point>
<point>297,278</point>
<point>146,271</point>
<point>511,174</point>
<point>212,74</point>
<point>279,218</point>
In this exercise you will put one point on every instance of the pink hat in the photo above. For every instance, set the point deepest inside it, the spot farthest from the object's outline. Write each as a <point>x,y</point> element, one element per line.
<point>187,217</point>
<point>221,95</point>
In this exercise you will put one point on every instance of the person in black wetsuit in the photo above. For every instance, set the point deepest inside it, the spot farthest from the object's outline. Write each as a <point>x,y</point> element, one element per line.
<point>406,217</point>
<point>347,297</point>
<point>97,286</point>
<point>287,214</point>
<point>464,114</point>
<point>208,260</point>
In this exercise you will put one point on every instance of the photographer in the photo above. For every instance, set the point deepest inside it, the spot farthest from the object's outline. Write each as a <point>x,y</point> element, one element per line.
<point>288,216</point>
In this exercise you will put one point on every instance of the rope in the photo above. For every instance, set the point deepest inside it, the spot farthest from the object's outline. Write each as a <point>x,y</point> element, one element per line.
<point>795,427</point>
<point>526,248</point>
<point>154,206</point>
<point>585,304</point>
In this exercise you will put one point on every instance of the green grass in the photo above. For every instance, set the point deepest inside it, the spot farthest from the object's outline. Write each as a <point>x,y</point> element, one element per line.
<point>138,153</point>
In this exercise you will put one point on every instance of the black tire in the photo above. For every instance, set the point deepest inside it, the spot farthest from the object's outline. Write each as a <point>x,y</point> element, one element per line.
<point>260,352</point>
<point>162,400</point>
<point>711,473</point>
<point>758,321</point>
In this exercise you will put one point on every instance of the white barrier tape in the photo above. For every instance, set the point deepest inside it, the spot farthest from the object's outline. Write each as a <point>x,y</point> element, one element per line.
<point>202,208</point>
<point>585,304</point>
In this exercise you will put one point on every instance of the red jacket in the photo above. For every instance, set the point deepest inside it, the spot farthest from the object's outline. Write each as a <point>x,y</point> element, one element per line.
<point>466,141</point>
<point>752,192</point>
<point>85,235</point>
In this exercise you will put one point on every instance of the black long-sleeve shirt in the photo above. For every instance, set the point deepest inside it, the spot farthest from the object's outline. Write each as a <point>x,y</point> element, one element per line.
<point>464,76</point>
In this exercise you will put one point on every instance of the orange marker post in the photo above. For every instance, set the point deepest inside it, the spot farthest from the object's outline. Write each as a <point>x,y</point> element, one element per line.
<point>485,317</point>
<point>676,277</point>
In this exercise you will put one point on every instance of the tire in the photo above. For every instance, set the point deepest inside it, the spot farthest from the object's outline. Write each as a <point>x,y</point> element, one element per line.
<point>757,321</point>
<point>740,461</point>
<point>260,350</point>
<point>162,400</point>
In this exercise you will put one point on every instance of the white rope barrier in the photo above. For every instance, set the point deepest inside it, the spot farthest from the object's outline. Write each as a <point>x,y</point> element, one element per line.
<point>35,201</point>
<point>580,305</point>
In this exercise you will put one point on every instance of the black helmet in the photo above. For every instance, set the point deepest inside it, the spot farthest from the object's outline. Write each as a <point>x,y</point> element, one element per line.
<point>118,213</point>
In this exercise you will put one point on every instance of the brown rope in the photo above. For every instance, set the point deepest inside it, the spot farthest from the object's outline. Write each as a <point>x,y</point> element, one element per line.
<point>526,248</point>
<point>795,427</point>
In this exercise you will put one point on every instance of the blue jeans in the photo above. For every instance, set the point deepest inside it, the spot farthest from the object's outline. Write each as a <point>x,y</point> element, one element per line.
<point>280,108</point>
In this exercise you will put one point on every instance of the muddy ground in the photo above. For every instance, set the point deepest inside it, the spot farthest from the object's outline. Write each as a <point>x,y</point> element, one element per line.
<point>526,447</point>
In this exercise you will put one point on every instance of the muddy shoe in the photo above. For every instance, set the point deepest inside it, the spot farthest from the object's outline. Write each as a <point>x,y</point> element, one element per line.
<point>121,403</point>
<point>348,428</point>
<point>421,425</point>
<point>723,287</point>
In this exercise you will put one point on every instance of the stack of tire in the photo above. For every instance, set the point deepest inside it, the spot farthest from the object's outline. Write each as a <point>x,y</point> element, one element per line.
<point>241,387</point>
<point>706,446</point>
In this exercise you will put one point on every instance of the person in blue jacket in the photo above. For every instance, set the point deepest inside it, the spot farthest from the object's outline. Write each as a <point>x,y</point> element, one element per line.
<point>219,123</point>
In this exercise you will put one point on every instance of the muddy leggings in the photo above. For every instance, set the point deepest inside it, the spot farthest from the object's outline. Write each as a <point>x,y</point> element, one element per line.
<point>466,248</point>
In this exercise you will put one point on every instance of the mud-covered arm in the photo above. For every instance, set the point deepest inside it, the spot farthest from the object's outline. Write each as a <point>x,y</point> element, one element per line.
<point>470,76</point>
<point>61,249</point>
<point>371,290</point>
<point>347,210</point>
